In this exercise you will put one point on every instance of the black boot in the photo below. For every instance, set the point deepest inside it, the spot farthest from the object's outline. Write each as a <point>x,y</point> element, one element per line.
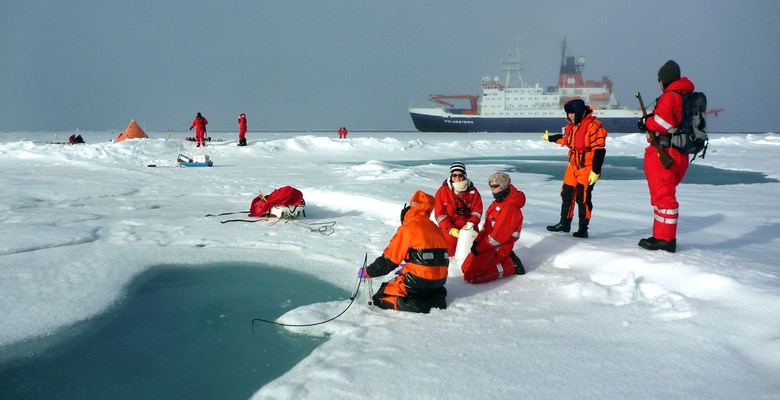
<point>519,268</point>
<point>652,243</point>
<point>583,231</point>
<point>563,226</point>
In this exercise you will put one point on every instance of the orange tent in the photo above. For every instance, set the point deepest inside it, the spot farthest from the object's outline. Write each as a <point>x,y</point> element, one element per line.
<point>133,131</point>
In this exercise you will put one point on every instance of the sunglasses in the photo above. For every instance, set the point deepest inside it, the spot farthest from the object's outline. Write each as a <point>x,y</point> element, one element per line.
<point>458,176</point>
<point>494,186</point>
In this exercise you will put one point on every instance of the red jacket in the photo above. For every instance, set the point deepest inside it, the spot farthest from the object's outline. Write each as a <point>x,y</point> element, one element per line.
<point>668,108</point>
<point>503,223</point>
<point>241,125</point>
<point>448,203</point>
<point>199,124</point>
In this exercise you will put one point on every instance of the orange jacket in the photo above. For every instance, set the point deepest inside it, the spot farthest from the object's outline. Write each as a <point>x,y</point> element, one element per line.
<point>583,140</point>
<point>418,243</point>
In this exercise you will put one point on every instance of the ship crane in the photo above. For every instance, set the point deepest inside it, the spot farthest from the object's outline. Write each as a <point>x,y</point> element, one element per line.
<point>441,99</point>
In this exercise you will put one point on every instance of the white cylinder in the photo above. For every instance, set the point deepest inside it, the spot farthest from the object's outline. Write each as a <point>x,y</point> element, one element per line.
<point>463,248</point>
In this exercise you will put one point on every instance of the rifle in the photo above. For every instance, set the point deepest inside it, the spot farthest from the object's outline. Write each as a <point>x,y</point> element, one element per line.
<point>666,160</point>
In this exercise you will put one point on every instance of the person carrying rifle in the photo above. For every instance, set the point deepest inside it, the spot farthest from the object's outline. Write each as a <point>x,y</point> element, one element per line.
<point>662,181</point>
<point>585,137</point>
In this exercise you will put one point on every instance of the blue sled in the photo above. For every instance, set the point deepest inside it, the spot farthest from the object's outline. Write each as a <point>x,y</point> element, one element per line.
<point>196,164</point>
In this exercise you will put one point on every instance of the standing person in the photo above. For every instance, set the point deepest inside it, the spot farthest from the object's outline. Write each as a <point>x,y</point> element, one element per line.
<point>661,182</point>
<point>458,203</point>
<point>341,132</point>
<point>199,123</point>
<point>242,129</point>
<point>491,255</point>
<point>585,137</point>
<point>420,247</point>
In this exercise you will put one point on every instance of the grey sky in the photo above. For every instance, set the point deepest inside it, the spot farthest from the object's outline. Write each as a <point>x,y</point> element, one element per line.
<point>318,65</point>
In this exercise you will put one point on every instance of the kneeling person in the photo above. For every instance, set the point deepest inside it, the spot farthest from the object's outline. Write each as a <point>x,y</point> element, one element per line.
<point>491,255</point>
<point>420,246</point>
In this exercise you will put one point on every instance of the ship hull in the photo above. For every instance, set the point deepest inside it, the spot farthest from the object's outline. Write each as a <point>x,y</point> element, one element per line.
<point>436,121</point>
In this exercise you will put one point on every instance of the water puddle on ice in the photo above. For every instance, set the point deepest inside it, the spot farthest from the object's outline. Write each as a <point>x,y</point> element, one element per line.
<point>180,332</point>
<point>615,168</point>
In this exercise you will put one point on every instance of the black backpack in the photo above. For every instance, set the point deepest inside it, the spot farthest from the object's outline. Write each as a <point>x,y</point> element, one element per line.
<point>691,135</point>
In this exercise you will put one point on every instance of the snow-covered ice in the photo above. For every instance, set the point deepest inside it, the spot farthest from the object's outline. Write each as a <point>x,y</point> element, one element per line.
<point>595,318</point>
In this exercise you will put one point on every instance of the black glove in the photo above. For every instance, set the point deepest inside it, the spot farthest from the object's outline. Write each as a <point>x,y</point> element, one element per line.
<point>641,123</point>
<point>474,249</point>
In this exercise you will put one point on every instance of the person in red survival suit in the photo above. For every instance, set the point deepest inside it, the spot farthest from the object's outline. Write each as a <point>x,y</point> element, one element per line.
<point>585,137</point>
<point>491,255</point>
<point>661,182</point>
<point>242,129</point>
<point>199,123</point>
<point>418,246</point>
<point>458,203</point>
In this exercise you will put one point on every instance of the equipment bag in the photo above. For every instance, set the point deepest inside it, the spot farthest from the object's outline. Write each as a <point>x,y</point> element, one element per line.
<point>691,135</point>
<point>285,202</point>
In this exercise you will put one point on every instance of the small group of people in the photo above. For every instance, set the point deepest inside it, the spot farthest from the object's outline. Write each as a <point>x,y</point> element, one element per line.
<point>75,139</point>
<point>343,133</point>
<point>200,122</point>
<point>422,248</point>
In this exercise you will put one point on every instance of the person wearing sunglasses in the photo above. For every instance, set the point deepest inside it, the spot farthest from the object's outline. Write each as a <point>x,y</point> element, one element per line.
<point>458,205</point>
<point>586,139</point>
<point>492,256</point>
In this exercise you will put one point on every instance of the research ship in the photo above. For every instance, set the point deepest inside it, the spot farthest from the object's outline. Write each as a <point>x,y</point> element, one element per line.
<point>516,107</point>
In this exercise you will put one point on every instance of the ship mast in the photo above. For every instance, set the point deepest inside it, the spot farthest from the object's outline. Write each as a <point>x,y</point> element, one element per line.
<point>513,66</point>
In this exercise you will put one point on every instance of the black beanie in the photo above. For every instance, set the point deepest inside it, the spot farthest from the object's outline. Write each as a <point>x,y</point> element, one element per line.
<point>669,72</point>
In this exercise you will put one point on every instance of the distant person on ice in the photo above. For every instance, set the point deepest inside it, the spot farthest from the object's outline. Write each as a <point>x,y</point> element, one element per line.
<point>242,129</point>
<point>491,255</point>
<point>662,182</point>
<point>199,123</point>
<point>419,248</point>
<point>585,137</point>
<point>458,203</point>
<point>342,133</point>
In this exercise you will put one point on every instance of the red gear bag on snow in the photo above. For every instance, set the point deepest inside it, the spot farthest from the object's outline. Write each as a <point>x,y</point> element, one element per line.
<point>284,196</point>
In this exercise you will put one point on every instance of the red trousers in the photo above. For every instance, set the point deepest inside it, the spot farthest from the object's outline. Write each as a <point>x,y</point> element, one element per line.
<point>663,190</point>
<point>488,266</point>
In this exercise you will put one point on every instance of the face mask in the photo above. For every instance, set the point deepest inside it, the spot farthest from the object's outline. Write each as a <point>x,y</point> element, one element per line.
<point>500,196</point>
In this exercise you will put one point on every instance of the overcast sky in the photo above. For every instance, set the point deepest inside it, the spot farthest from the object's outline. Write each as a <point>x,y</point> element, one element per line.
<point>319,65</point>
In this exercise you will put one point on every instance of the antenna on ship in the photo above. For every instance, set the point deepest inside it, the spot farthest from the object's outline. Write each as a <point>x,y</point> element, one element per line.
<point>513,65</point>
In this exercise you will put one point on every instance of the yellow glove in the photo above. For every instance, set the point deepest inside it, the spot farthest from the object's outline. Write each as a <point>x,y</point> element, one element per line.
<point>593,178</point>
<point>546,136</point>
<point>454,232</point>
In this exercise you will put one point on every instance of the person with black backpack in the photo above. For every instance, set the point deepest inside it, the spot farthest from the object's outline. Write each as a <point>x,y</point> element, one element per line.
<point>662,182</point>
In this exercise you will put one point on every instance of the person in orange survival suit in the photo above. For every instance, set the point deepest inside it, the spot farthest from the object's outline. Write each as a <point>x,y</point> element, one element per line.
<point>419,247</point>
<point>199,123</point>
<point>458,203</point>
<point>585,137</point>
<point>662,183</point>
<point>491,255</point>
<point>242,129</point>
